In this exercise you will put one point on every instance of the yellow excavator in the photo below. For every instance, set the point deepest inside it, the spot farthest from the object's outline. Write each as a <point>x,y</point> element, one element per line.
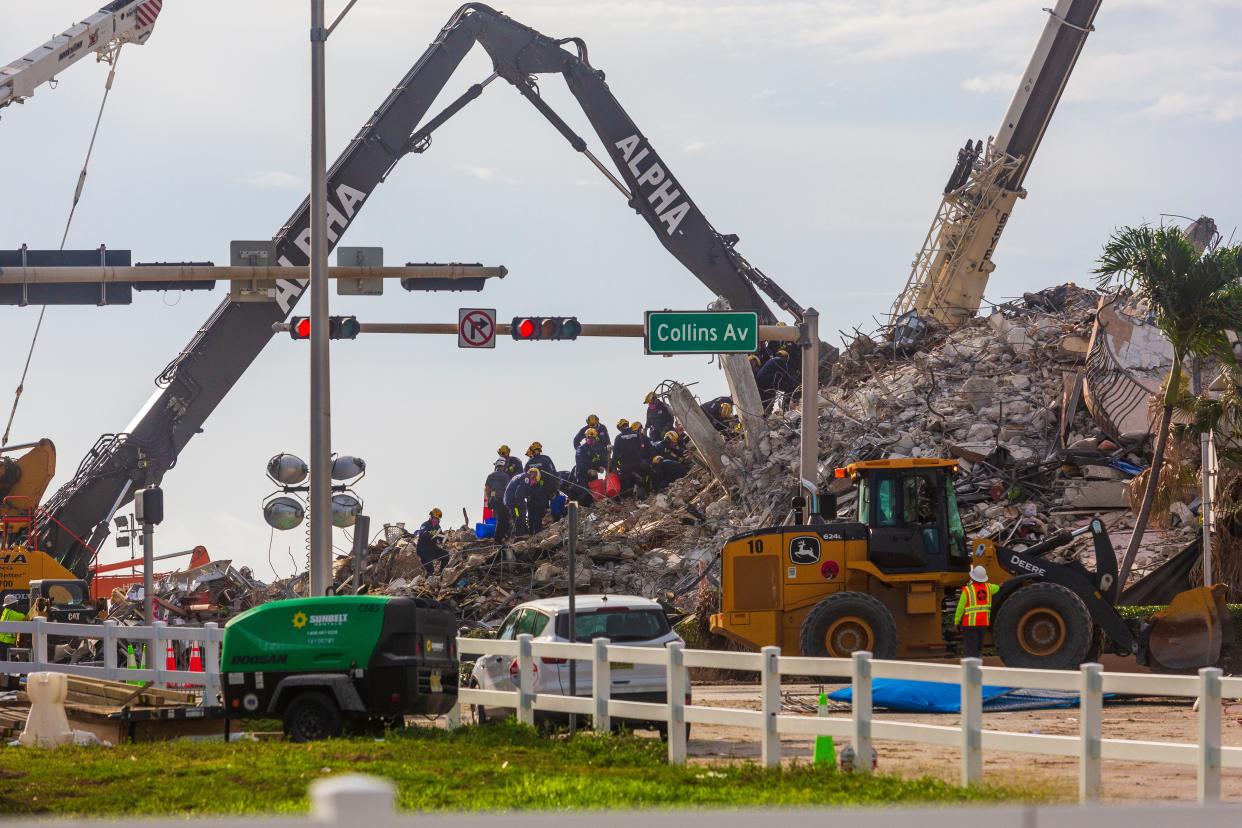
<point>23,480</point>
<point>887,581</point>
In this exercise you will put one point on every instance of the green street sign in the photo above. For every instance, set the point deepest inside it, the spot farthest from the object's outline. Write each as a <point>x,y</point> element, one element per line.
<point>702,332</point>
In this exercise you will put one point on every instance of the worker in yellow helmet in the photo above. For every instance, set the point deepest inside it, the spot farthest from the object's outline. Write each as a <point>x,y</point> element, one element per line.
<point>719,412</point>
<point>430,548</point>
<point>548,482</point>
<point>974,611</point>
<point>513,466</point>
<point>659,416</point>
<point>601,433</point>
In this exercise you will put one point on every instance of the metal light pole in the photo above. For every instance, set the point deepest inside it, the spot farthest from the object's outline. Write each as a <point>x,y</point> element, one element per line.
<point>809,472</point>
<point>573,607</point>
<point>1205,475</point>
<point>320,381</point>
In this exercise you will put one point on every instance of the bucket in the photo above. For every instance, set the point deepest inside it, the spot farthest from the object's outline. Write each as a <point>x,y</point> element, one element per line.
<point>486,529</point>
<point>558,506</point>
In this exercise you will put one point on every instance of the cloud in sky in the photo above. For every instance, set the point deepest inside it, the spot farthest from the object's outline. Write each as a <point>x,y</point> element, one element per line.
<point>274,180</point>
<point>697,145</point>
<point>484,174</point>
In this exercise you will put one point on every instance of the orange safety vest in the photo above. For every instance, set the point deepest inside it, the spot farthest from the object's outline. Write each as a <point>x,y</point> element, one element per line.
<point>974,604</point>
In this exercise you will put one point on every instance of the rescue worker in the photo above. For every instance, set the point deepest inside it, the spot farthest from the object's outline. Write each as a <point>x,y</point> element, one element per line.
<point>494,497</point>
<point>719,411</point>
<point>429,549</point>
<point>601,432</point>
<point>512,464</point>
<point>548,477</point>
<point>627,455</point>
<point>589,461</point>
<point>538,496</point>
<point>10,613</point>
<point>659,416</point>
<point>665,471</point>
<point>644,444</point>
<point>775,376</point>
<point>517,493</point>
<point>671,447</point>
<point>974,611</point>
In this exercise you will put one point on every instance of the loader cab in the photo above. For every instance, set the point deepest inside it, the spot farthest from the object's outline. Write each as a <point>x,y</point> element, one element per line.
<point>910,509</point>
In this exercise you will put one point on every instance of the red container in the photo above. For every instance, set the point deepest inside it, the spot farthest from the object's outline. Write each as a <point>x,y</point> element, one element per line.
<point>597,489</point>
<point>612,484</point>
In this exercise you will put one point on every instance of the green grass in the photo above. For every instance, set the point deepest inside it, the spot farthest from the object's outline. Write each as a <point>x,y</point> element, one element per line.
<point>1142,613</point>
<point>503,767</point>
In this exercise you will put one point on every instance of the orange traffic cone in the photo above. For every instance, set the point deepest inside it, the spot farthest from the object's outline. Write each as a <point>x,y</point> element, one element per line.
<point>196,659</point>
<point>170,662</point>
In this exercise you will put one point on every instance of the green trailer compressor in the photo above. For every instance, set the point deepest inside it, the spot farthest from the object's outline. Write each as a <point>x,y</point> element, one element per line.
<point>327,665</point>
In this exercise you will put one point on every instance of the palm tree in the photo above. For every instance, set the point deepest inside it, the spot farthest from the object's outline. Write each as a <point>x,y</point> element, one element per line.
<point>1197,297</point>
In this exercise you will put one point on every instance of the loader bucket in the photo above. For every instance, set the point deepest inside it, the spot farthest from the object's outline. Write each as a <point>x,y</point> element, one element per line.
<point>1190,631</point>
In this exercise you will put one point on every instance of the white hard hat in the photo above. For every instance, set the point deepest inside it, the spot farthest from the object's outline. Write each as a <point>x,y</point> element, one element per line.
<point>979,575</point>
<point>10,600</point>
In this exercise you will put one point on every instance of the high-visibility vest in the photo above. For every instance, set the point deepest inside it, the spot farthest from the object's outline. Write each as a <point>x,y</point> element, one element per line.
<point>974,605</point>
<point>10,638</point>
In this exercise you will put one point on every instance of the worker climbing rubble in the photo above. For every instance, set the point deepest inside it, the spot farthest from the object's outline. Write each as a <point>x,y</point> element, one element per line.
<point>776,376</point>
<point>659,416</point>
<point>719,412</point>
<point>590,463</point>
<point>601,432</point>
<point>494,496</point>
<point>430,549</point>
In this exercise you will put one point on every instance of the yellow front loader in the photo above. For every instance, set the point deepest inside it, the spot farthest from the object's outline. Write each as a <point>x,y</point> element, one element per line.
<point>887,581</point>
<point>23,481</point>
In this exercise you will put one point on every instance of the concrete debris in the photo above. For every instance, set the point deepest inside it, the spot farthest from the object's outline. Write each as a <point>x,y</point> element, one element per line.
<point>993,393</point>
<point>213,592</point>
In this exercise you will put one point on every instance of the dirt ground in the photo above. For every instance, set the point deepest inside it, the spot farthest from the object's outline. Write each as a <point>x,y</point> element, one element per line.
<point>1154,719</point>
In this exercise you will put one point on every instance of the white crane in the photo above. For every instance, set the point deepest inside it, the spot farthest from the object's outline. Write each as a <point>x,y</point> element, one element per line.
<point>101,34</point>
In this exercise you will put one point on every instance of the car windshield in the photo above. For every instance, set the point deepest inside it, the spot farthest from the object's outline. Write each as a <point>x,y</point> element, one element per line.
<point>616,624</point>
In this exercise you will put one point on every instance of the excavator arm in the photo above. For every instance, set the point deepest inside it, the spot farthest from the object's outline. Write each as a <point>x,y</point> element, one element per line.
<point>201,376</point>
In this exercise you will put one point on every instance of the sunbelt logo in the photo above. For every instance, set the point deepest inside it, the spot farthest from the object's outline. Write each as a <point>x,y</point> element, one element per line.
<point>301,619</point>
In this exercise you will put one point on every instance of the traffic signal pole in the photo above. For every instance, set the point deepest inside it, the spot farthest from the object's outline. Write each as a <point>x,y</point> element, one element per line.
<point>767,333</point>
<point>809,467</point>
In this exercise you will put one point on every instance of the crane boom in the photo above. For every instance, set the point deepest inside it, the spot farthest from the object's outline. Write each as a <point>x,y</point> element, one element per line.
<point>118,23</point>
<point>949,276</point>
<point>201,376</point>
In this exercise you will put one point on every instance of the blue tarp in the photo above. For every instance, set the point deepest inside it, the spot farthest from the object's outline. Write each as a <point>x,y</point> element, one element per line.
<point>935,697</point>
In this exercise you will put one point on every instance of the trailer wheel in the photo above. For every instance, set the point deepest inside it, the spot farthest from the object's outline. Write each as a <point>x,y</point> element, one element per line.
<point>312,716</point>
<point>1043,625</point>
<point>846,623</point>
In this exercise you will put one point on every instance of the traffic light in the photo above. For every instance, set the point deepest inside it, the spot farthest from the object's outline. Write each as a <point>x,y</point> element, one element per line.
<point>339,327</point>
<point>343,327</point>
<point>529,328</point>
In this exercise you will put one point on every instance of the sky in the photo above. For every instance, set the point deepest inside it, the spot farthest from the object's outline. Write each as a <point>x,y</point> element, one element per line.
<point>819,131</point>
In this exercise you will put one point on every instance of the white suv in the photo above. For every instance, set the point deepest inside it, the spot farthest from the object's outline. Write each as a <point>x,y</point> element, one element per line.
<point>626,620</point>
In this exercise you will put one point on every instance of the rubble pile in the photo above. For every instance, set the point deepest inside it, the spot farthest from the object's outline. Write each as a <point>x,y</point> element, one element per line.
<point>998,394</point>
<point>215,591</point>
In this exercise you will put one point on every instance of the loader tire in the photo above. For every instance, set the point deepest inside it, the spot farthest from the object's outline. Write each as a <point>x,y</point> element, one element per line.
<point>846,623</point>
<point>1044,626</point>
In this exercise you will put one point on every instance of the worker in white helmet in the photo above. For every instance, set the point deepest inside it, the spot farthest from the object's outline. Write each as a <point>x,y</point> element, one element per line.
<point>974,611</point>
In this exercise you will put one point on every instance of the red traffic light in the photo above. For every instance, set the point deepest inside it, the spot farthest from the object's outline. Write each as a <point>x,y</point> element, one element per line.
<point>529,328</point>
<point>299,327</point>
<point>525,329</point>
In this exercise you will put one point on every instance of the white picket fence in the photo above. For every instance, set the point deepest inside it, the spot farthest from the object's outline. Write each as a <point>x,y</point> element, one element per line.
<point>1207,754</point>
<point>113,636</point>
<point>1091,683</point>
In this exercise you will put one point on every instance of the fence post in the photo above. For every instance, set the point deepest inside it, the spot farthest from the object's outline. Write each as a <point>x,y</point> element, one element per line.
<point>601,685</point>
<point>109,650</point>
<point>353,799</point>
<point>1209,734</point>
<point>861,711</point>
<point>770,681</point>
<point>38,646</point>
<point>972,721</point>
<point>211,663</point>
<point>1090,709</point>
<point>676,720</point>
<point>159,655</point>
<point>526,665</point>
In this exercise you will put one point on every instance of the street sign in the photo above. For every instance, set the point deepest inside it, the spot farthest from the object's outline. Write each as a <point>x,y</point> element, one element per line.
<point>702,332</point>
<point>476,327</point>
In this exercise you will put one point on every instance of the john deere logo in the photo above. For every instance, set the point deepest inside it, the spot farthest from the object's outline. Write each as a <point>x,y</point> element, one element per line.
<point>299,620</point>
<point>804,550</point>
